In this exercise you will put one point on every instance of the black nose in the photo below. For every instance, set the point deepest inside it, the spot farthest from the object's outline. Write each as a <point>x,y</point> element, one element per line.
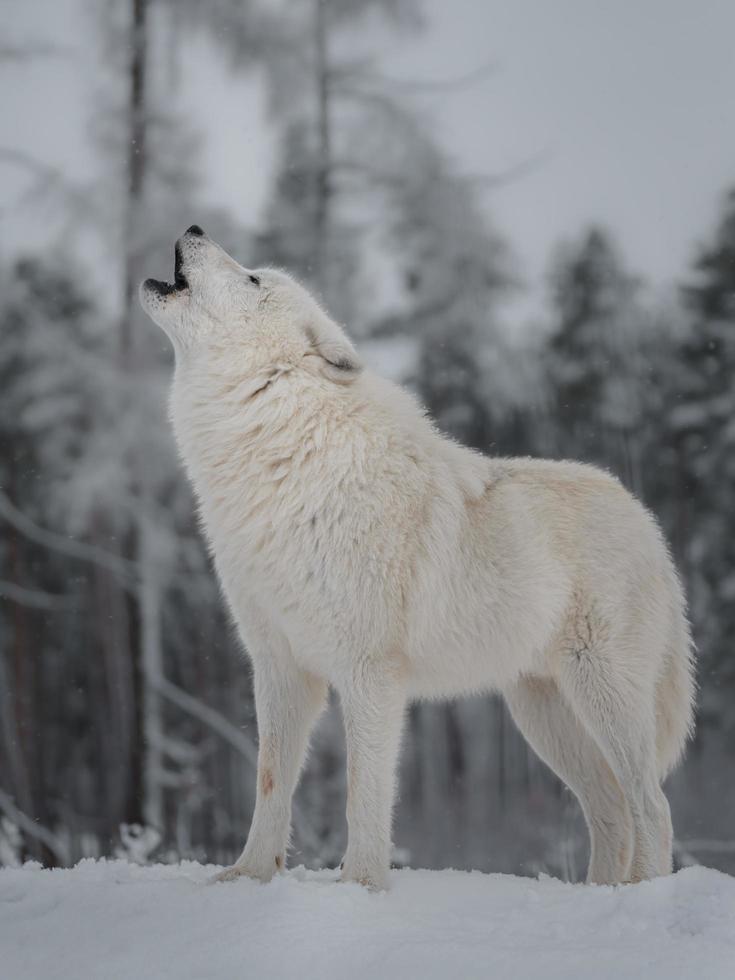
<point>194,230</point>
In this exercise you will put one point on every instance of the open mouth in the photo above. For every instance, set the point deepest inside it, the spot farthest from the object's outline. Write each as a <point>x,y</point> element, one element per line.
<point>180,281</point>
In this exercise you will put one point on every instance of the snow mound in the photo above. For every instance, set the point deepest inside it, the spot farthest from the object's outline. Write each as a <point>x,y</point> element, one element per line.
<point>111,919</point>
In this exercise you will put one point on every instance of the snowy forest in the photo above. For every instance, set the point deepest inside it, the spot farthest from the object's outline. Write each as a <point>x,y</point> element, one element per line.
<point>127,723</point>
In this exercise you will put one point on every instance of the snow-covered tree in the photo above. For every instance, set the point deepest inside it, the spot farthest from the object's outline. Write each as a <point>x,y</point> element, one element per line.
<point>702,421</point>
<point>603,347</point>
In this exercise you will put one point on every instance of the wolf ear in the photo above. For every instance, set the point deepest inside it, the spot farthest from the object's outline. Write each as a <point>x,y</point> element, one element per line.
<point>338,357</point>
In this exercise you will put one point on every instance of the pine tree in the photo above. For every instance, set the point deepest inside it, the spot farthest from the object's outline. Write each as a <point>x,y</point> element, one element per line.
<point>598,357</point>
<point>48,395</point>
<point>455,271</point>
<point>703,424</point>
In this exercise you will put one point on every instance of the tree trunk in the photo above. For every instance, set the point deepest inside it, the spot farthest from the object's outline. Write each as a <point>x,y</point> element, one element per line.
<point>136,169</point>
<point>150,606</point>
<point>322,190</point>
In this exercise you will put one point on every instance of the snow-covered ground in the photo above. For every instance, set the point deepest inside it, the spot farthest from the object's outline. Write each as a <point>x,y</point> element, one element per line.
<point>116,920</point>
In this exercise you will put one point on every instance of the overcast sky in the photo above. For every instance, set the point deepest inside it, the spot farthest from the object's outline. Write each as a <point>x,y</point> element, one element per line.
<point>625,106</point>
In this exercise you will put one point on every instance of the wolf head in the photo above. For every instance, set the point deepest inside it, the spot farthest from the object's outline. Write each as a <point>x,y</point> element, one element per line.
<point>262,316</point>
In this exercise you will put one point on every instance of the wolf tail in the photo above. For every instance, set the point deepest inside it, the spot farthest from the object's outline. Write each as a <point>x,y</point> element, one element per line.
<point>675,693</point>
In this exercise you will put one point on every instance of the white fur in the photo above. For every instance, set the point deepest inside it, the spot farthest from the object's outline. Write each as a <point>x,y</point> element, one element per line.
<point>360,548</point>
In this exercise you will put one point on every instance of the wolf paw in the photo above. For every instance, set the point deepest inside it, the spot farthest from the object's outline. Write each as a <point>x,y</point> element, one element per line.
<point>374,879</point>
<point>243,869</point>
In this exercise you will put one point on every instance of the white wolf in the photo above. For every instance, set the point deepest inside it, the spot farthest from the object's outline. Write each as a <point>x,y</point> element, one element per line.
<point>360,548</point>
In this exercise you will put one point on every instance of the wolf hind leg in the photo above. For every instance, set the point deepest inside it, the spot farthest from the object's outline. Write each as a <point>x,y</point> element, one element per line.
<point>618,711</point>
<point>561,741</point>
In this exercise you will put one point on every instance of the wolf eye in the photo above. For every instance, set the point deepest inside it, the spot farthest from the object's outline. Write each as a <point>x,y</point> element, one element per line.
<point>254,280</point>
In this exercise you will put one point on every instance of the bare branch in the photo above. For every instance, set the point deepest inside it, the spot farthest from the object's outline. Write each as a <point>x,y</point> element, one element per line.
<point>209,717</point>
<point>232,735</point>
<point>397,178</point>
<point>57,847</point>
<point>516,172</point>
<point>9,154</point>
<point>22,52</point>
<point>440,85</point>
<point>35,598</point>
<point>122,567</point>
<point>394,112</point>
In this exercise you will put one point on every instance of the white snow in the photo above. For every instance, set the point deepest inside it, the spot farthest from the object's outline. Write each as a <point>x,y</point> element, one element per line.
<point>114,920</point>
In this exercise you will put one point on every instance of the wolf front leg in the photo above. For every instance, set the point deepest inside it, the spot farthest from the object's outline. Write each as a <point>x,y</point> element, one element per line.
<point>373,705</point>
<point>288,700</point>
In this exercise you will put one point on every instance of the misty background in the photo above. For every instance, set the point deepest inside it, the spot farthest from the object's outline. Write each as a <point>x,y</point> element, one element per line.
<point>524,211</point>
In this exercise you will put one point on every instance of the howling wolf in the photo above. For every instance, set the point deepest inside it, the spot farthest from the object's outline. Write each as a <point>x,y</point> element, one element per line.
<point>359,547</point>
